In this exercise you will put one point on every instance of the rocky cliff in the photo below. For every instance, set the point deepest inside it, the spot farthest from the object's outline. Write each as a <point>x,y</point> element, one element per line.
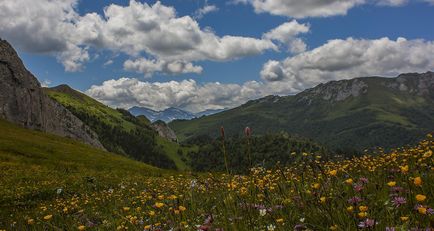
<point>164,130</point>
<point>23,102</point>
<point>335,91</point>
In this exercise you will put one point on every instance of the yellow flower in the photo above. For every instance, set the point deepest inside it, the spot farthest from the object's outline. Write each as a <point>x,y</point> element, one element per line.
<point>420,197</point>
<point>280,220</point>
<point>363,208</point>
<point>421,210</point>
<point>391,183</point>
<point>147,227</point>
<point>126,209</point>
<point>323,199</point>
<point>427,154</point>
<point>333,172</point>
<point>363,214</point>
<point>182,208</point>
<point>316,186</point>
<point>48,217</point>
<point>350,209</point>
<point>417,181</point>
<point>349,181</point>
<point>404,219</point>
<point>30,221</point>
<point>334,227</point>
<point>81,227</point>
<point>404,169</point>
<point>159,204</point>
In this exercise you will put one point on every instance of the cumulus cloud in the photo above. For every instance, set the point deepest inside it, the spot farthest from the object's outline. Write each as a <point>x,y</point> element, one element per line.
<point>337,59</point>
<point>44,26</point>
<point>314,8</point>
<point>286,34</point>
<point>185,94</point>
<point>349,58</point>
<point>148,67</point>
<point>54,27</point>
<point>303,9</point>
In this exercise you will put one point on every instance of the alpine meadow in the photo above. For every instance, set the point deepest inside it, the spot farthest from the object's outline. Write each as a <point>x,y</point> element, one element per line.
<point>207,115</point>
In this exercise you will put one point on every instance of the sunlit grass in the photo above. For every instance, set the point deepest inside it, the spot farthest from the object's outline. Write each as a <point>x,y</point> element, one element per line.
<point>59,186</point>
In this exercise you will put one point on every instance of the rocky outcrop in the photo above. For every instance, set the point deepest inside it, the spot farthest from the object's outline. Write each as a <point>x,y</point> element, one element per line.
<point>335,91</point>
<point>23,102</point>
<point>164,130</point>
<point>414,83</point>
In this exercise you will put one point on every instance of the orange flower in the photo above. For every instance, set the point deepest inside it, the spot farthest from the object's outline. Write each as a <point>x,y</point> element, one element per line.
<point>421,210</point>
<point>417,181</point>
<point>420,197</point>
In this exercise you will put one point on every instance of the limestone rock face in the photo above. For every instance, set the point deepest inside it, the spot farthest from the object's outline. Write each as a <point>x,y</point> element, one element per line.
<point>164,130</point>
<point>23,102</point>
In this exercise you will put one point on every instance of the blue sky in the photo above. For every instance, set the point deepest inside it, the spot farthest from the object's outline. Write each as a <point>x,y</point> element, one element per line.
<point>245,75</point>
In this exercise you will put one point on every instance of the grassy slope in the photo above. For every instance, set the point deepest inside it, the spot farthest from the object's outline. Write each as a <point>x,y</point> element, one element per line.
<point>110,116</point>
<point>398,117</point>
<point>30,160</point>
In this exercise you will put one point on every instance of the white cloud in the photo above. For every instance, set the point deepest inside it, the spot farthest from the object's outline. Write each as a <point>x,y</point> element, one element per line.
<point>44,26</point>
<point>304,8</point>
<point>315,8</point>
<point>185,94</point>
<point>206,9</point>
<point>286,34</point>
<point>392,2</point>
<point>342,59</point>
<point>337,59</point>
<point>148,67</point>
<point>54,27</point>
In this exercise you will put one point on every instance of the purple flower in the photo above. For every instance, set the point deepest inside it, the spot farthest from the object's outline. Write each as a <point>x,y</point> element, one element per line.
<point>355,200</point>
<point>390,228</point>
<point>368,223</point>
<point>358,187</point>
<point>396,189</point>
<point>398,201</point>
<point>364,180</point>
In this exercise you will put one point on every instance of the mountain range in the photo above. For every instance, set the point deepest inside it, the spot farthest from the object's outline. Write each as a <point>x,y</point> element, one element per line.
<point>348,114</point>
<point>170,114</point>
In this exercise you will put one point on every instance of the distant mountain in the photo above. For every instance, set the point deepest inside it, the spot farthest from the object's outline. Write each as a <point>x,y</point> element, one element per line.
<point>23,102</point>
<point>354,114</point>
<point>170,114</point>
<point>208,112</point>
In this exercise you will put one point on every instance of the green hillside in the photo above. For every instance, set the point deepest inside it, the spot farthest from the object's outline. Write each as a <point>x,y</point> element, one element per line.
<point>33,165</point>
<point>118,130</point>
<point>386,112</point>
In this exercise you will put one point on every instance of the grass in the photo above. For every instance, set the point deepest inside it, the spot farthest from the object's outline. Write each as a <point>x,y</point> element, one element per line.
<point>171,150</point>
<point>85,104</point>
<point>52,183</point>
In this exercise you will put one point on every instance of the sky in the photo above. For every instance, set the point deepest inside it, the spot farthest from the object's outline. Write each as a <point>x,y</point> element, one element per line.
<point>213,54</point>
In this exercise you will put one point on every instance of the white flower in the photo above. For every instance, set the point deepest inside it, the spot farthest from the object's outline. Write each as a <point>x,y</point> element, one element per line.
<point>262,212</point>
<point>302,219</point>
<point>59,191</point>
<point>193,183</point>
<point>271,227</point>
